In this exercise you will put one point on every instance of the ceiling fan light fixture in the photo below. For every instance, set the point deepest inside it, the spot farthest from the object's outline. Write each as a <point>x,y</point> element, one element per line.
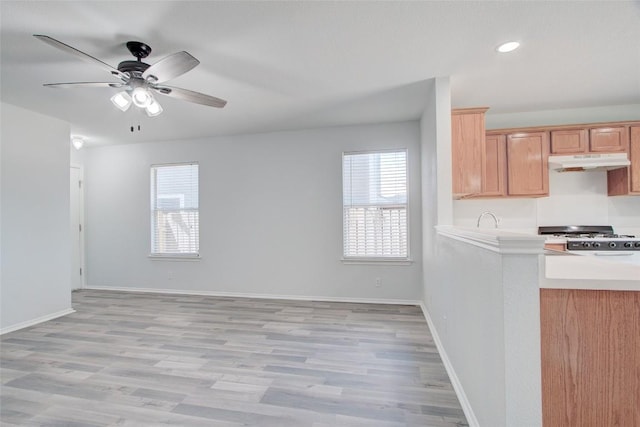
<point>154,108</point>
<point>141,97</point>
<point>77,142</point>
<point>121,100</point>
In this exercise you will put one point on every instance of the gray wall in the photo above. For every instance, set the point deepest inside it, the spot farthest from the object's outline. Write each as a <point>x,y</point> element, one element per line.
<point>35,240</point>
<point>270,216</point>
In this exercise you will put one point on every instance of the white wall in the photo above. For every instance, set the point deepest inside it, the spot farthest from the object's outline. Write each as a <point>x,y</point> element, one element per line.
<point>488,322</point>
<point>435,146</point>
<point>77,156</point>
<point>574,198</point>
<point>624,214</point>
<point>270,209</point>
<point>35,217</point>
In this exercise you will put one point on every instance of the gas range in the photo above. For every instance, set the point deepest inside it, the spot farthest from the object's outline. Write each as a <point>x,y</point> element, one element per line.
<point>591,238</point>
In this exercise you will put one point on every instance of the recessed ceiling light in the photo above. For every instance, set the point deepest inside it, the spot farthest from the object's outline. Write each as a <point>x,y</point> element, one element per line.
<point>508,47</point>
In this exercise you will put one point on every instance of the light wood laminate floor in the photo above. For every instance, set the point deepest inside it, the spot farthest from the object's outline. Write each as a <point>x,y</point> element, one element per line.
<point>136,359</point>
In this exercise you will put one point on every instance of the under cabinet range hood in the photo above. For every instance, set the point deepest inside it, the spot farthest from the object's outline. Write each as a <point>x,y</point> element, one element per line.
<point>589,162</point>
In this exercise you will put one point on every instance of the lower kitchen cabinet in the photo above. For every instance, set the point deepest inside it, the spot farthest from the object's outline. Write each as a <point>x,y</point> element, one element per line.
<point>527,167</point>
<point>590,341</point>
<point>626,181</point>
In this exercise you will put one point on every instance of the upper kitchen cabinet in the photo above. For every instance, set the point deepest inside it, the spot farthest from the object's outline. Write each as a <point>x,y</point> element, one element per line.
<point>467,148</point>
<point>514,162</point>
<point>589,140</point>
<point>626,181</point>
<point>527,167</point>
<point>608,139</point>
<point>572,141</point>
<point>494,166</point>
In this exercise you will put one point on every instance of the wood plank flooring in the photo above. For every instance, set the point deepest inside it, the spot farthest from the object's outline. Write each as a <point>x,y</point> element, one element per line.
<point>136,359</point>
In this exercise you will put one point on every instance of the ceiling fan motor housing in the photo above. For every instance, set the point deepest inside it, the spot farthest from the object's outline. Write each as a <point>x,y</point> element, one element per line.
<point>139,50</point>
<point>132,66</point>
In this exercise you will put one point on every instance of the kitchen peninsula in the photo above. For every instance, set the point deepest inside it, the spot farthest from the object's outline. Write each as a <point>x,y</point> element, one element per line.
<point>520,309</point>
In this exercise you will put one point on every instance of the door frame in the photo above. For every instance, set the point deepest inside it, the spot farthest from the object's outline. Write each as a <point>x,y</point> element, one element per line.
<point>83,283</point>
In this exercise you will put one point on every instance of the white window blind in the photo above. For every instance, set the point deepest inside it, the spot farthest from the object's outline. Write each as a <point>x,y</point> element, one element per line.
<point>374,188</point>
<point>175,222</point>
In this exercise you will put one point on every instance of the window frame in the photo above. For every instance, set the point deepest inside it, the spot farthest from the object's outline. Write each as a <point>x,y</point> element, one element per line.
<point>169,256</point>
<point>378,260</point>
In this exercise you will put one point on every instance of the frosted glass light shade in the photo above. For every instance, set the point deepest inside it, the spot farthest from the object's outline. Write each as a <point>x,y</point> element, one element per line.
<point>154,108</point>
<point>141,97</point>
<point>121,100</point>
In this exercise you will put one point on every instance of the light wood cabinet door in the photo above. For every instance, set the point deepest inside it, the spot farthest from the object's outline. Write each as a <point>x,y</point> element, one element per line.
<point>626,181</point>
<point>634,157</point>
<point>618,182</point>
<point>528,171</point>
<point>574,141</point>
<point>590,342</point>
<point>494,166</point>
<point>608,140</point>
<point>467,144</point>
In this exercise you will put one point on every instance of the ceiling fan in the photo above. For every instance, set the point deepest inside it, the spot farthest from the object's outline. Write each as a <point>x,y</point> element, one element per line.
<point>140,80</point>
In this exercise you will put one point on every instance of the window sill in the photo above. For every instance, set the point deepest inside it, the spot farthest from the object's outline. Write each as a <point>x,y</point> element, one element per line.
<point>376,261</point>
<point>171,257</point>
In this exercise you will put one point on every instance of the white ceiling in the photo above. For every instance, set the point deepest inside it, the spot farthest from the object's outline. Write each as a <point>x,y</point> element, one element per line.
<point>297,64</point>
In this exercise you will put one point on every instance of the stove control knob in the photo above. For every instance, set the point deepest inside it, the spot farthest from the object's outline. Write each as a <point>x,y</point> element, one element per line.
<point>636,244</point>
<point>586,244</point>
<point>612,244</point>
<point>596,244</point>
<point>628,244</point>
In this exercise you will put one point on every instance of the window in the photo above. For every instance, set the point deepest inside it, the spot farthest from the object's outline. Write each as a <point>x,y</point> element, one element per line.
<point>175,222</point>
<point>374,186</point>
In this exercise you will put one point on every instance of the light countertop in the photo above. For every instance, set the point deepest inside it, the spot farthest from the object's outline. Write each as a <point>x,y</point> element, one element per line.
<point>558,270</point>
<point>590,271</point>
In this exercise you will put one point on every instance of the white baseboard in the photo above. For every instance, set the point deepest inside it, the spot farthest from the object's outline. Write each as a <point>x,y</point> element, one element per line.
<point>457,386</point>
<point>35,321</point>
<point>261,296</point>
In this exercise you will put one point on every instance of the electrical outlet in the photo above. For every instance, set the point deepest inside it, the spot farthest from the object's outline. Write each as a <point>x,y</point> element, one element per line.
<point>378,282</point>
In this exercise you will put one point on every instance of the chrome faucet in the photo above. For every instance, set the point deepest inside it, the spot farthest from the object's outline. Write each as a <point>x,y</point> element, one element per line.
<point>495,218</point>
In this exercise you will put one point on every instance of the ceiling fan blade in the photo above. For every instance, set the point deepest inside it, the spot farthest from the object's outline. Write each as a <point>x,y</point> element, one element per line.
<point>170,67</point>
<point>72,50</point>
<point>85,84</point>
<point>191,96</point>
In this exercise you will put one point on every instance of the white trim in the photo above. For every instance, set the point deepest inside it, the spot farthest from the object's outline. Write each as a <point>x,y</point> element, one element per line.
<point>160,257</point>
<point>80,168</point>
<point>153,192</point>
<point>457,386</point>
<point>407,206</point>
<point>193,162</point>
<point>35,321</point>
<point>261,296</point>
<point>495,240</point>
<point>376,261</point>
